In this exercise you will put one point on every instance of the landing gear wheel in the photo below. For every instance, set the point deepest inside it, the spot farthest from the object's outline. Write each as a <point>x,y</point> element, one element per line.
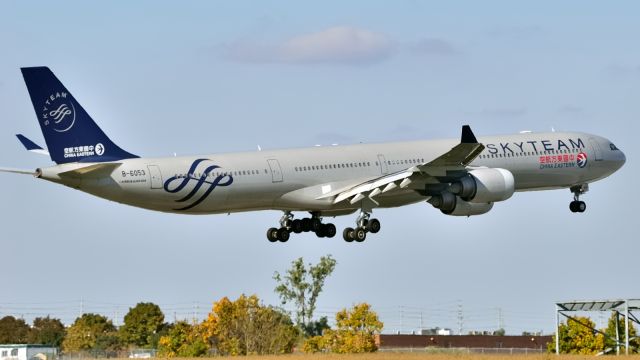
<point>272,234</point>
<point>348,234</point>
<point>316,224</point>
<point>296,226</point>
<point>330,230</point>
<point>573,206</point>
<point>283,235</point>
<point>578,206</point>
<point>321,232</point>
<point>360,234</point>
<point>373,226</point>
<point>306,224</point>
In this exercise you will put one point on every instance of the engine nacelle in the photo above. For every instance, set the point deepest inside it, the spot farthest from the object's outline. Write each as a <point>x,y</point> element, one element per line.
<point>485,186</point>
<point>464,208</point>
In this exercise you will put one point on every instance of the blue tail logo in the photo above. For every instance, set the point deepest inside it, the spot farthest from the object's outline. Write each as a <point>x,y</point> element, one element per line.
<point>58,112</point>
<point>70,133</point>
<point>206,180</point>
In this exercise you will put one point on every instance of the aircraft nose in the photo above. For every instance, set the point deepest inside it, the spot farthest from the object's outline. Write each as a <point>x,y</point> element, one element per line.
<point>622,159</point>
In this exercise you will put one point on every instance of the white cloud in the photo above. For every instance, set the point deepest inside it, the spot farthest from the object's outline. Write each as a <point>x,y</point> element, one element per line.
<point>340,45</point>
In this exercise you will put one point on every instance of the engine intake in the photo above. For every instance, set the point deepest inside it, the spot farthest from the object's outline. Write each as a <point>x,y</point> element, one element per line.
<point>485,186</point>
<point>450,204</point>
<point>464,208</point>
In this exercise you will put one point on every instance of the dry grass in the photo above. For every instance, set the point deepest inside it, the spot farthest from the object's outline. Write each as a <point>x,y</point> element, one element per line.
<point>415,356</point>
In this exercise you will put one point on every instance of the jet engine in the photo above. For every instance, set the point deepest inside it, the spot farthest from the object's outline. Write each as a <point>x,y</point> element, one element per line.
<point>450,204</point>
<point>484,186</point>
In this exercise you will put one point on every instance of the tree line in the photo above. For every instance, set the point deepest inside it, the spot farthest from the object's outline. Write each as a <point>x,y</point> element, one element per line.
<point>579,336</point>
<point>242,326</point>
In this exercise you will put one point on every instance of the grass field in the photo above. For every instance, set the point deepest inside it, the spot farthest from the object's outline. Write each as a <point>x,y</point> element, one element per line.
<point>414,356</point>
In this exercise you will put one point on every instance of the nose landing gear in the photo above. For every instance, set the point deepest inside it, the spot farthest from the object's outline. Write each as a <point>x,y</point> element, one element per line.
<point>577,206</point>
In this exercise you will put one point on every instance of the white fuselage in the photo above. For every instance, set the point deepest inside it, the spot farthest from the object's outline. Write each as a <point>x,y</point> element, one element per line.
<point>296,179</point>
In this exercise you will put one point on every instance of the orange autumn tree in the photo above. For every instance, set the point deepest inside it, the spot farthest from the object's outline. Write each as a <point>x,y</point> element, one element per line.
<point>247,327</point>
<point>354,333</point>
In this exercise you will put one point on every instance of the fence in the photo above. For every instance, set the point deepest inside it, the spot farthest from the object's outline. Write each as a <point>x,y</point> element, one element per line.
<point>437,350</point>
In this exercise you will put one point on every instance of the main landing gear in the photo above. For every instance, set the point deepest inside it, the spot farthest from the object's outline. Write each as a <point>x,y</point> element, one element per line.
<point>290,225</point>
<point>363,226</point>
<point>577,206</point>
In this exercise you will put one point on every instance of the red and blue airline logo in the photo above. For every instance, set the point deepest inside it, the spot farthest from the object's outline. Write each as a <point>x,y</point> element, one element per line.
<point>581,160</point>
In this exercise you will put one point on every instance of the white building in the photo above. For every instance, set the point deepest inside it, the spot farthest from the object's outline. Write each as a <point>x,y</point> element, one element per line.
<point>28,352</point>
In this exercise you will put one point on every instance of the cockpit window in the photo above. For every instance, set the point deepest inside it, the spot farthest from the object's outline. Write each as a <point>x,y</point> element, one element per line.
<point>613,147</point>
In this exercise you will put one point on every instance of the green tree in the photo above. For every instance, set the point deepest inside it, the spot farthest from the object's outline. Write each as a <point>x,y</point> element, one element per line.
<point>610,342</point>
<point>355,333</point>
<point>182,340</point>
<point>90,332</point>
<point>141,324</point>
<point>246,327</point>
<point>13,331</point>
<point>316,328</point>
<point>302,287</point>
<point>47,331</point>
<point>576,338</point>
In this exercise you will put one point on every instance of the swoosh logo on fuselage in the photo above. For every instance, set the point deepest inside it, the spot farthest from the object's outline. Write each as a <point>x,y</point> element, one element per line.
<point>205,182</point>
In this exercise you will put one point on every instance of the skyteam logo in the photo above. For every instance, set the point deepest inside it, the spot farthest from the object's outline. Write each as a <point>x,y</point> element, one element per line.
<point>581,160</point>
<point>58,112</point>
<point>197,184</point>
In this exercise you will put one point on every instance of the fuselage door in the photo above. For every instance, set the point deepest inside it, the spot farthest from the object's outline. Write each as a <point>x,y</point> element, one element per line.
<point>597,151</point>
<point>156,176</point>
<point>384,167</point>
<point>276,171</point>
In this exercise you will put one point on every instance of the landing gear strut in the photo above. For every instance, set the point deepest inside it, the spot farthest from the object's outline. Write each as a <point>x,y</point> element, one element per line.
<point>363,226</point>
<point>288,225</point>
<point>576,205</point>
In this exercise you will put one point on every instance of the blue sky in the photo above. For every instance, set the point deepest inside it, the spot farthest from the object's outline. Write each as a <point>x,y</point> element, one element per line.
<point>205,76</point>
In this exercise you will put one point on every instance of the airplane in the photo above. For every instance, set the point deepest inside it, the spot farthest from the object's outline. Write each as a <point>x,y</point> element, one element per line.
<point>462,177</point>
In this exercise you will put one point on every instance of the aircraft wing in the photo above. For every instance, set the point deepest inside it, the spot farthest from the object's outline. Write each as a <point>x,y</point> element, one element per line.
<point>456,159</point>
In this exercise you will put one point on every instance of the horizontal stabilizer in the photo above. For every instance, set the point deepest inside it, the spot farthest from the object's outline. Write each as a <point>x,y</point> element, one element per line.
<point>18,171</point>
<point>90,170</point>
<point>31,146</point>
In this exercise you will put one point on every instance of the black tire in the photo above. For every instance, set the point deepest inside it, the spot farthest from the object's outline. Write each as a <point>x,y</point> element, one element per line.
<point>296,226</point>
<point>306,224</point>
<point>283,235</point>
<point>347,234</point>
<point>272,234</point>
<point>573,206</point>
<point>330,230</point>
<point>322,231</point>
<point>316,224</point>
<point>581,207</point>
<point>373,226</point>
<point>360,234</point>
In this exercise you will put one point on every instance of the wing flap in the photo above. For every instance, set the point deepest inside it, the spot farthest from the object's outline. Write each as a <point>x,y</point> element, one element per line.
<point>458,158</point>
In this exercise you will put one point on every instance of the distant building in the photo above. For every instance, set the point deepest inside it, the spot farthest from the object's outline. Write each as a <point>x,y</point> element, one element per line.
<point>27,352</point>
<point>462,341</point>
<point>435,331</point>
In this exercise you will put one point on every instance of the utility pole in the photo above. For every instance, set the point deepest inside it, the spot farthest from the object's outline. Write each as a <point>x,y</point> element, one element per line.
<point>460,317</point>
<point>81,306</point>
<point>500,319</point>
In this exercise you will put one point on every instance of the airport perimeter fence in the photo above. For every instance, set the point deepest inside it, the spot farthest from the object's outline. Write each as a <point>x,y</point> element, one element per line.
<point>437,350</point>
<point>106,354</point>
